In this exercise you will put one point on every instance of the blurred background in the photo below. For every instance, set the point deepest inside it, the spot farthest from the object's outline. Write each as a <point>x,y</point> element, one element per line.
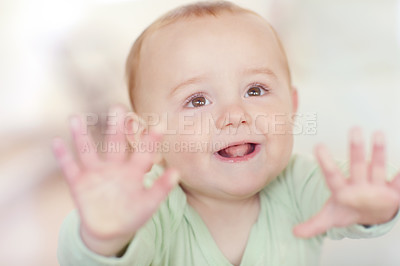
<point>61,57</point>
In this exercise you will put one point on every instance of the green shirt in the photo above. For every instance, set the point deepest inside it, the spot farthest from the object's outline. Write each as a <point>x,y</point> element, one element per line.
<point>177,236</point>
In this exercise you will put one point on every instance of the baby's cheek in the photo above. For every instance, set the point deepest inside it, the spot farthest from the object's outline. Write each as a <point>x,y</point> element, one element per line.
<point>261,124</point>
<point>184,123</point>
<point>272,124</point>
<point>182,149</point>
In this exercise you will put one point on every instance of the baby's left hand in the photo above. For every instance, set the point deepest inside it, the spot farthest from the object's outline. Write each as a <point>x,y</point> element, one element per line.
<point>364,198</point>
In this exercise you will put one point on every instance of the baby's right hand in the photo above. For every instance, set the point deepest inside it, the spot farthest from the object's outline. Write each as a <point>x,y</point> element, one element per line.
<point>109,192</point>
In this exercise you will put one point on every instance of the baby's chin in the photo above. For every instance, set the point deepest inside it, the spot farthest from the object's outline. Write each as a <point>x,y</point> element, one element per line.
<point>249,188</point>
<point>232,194</point>
<point>227,187</point>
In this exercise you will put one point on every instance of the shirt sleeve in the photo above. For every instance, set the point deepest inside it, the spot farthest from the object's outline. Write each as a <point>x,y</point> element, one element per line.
<point>73,252</point>
<point>307,183</point>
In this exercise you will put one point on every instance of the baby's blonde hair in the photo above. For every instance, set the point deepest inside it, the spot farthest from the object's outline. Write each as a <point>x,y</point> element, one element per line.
<point>195,10</point>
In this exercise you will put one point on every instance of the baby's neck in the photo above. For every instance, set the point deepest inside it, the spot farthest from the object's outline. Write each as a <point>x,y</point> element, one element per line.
<point>214,209</point>
<point>229,222</point>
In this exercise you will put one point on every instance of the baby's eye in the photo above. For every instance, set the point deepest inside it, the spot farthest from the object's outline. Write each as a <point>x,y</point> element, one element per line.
<point>196,101</point>
<point>255,90</point>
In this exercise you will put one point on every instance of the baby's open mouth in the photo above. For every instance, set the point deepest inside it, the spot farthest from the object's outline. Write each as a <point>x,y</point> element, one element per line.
<point>239,150</point>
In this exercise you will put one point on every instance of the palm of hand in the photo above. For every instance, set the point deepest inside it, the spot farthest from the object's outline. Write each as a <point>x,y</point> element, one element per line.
<point>108,190</point>
<point>366,197</point>
<point>112,199</point>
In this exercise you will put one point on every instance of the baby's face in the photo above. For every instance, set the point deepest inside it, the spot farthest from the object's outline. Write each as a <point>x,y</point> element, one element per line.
<point>219,83</point>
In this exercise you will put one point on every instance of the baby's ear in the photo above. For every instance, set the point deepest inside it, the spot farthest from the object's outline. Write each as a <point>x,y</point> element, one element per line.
<point>134,127</point>
<point>295,98</point>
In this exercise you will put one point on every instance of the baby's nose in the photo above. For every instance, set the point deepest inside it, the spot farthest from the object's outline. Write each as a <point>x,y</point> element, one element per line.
<point>233,116</point>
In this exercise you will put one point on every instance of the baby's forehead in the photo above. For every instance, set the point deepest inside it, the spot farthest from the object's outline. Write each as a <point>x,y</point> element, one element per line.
<point>244,33</point>
<point>209,23</point>
<point>217,33</point>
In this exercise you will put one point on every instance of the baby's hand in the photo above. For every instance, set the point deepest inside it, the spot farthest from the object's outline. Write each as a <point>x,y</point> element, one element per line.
<point>108,192</point>
<point>364,198</point>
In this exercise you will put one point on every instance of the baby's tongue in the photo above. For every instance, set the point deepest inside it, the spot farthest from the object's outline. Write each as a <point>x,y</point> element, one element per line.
<point>237,150</point>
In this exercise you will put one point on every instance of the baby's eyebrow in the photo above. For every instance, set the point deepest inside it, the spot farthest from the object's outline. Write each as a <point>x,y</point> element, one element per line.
<point>259,70</point>
<point>192,80</point>
<point>247,71</point>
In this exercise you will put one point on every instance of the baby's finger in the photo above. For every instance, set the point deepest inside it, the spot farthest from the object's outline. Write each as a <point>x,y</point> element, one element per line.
<point>333,176</point>
<point>358,165</point>
<point>115,140</point>
<point>144,156</point>
<point>83,142</point>
<point>162,186</point>
<point>377,165</point>
<point>318,224</point>
<point>67,163</point>
<point>395,183</point>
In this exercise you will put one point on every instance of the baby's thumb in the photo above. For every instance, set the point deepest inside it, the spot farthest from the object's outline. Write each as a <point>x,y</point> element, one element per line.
<point>163,185</point>
<point>318,224</point>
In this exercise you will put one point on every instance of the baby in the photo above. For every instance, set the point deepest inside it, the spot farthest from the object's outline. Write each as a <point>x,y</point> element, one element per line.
<point>216,74</point>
